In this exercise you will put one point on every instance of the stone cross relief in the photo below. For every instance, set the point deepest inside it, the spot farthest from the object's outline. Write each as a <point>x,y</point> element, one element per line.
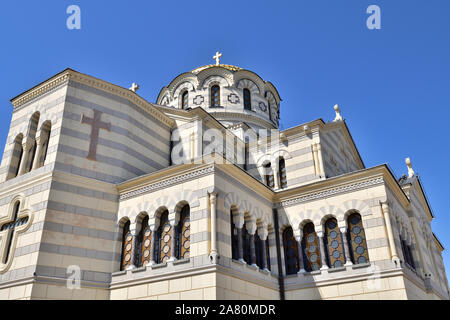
<point>10,228</point>
<point>96,124</point>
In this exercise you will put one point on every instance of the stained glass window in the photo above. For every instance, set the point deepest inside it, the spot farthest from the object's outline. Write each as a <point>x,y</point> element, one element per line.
<point>164,238</point>
<point>333,243</point>
<point>185,100</point>
<point>311,248</point>
<point>145,240</point>
<point>269,175</point>
<point>127,243</point>
<point>357,239</point>
<point>234,238</point>
<point>215,96</point>
<point>247,100</point>
<point>290,251</point>
<point>283,177</point>
<point>184,234</point>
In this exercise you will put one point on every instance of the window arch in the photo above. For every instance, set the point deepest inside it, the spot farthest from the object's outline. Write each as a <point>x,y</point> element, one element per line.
<point>145,240</point>
<point>183,234</point>
<point>127,243</point>
<point>282,173</point>
<point>164,238</point>
<point>290,251</point>
<point>357,239</point>
<point>215,96</point>
<point>333,244</point>
<point>247,99</point>
<point>268,175</point>
<point>234,238</point>
<point>311,249</point>
<point>185,100</point>
<point>16,157</point>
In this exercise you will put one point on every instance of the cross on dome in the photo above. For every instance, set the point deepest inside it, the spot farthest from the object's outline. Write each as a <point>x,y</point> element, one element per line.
<point>217,58</point>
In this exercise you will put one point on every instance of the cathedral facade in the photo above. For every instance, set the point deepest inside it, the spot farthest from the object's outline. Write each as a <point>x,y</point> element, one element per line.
<point>104,195</point>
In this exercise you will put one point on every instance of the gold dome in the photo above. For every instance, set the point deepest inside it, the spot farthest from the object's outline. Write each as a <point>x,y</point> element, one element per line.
<point>226,66</point>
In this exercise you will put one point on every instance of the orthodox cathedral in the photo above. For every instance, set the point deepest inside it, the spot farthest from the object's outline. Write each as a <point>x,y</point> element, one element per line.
<point>104,195</point>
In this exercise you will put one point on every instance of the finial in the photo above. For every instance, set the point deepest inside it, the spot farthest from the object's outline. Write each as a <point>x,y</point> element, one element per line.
<point>217,58</point>
<point>134,87</point>
<point>411,172</point>
<point>338,113</point>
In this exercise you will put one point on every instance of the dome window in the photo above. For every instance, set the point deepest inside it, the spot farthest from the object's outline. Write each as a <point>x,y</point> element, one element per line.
<point>215,96</point>
<point>185,100</point>
<point>247,100</point>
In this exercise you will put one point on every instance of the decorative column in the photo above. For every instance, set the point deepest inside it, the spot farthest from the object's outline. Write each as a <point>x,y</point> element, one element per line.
<point>264,254</point>
<point>323,256</point>
<point>387,220</point>
<point>213,255</point>
<point>37,158</point>
<point>348,260</point>
<point>239,243</point>
<point>319,158</point>
<point>173,245</point>
<point>300,254</point>
<point>26,146</point>
<point>152,246</point>
<point>276,176</point>
<point>252,250</point>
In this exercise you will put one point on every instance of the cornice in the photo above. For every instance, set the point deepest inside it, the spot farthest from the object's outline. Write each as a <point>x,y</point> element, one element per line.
<point>71,75</point>
<point>350,182</point>
<point>255,118</point>
<point>165,183</point>
<point>333,191</point>
<point>42,88</point>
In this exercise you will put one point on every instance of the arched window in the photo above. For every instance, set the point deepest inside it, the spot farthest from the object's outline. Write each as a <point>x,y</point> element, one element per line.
<point>215,96</point>
<point>145,240</point>
<point>247,100</point>
<point>268,254</point>
<point>234,238</point>
<point>290,251</point>
<point>32,134</point>
<point>311,248</point>
<point>268,175</point>
<point>45,134</point>
<point>258,250</point>
<point>333,244</point>
<point>185,100</point>
<point>407,253</point>
<point>16,157</point>
<point>357,239</point>
<point>246,244</point>
<point>183,234</point>
<point>164,234</point>
<point>282,173</point>
<point>127,243</point>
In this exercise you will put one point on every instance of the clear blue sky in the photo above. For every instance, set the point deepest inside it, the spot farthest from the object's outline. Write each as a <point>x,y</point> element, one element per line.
<point>393,84</point>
